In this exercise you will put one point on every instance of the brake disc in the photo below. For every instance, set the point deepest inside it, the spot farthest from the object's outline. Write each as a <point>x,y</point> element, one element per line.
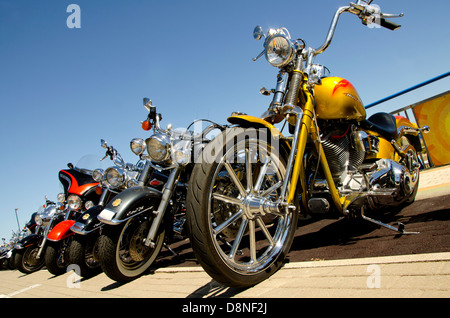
<point>138,250</point>
<point>223,211</point>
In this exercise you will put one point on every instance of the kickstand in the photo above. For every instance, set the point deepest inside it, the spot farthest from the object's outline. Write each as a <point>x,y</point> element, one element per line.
<point>171,250</point>
<point>400,229</point>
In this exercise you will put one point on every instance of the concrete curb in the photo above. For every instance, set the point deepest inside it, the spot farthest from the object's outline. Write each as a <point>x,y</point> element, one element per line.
<point>430,257</point>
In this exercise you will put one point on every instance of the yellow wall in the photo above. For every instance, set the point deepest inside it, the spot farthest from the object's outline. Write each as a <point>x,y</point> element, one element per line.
<point>435,113</point>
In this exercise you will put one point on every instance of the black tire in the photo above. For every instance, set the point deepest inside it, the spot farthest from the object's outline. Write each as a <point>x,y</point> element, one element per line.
<point>218,249</point>
<point>25,260</point>
<point>83,252</point>
<point>56,259</point>
<point>122,260</point>
<point>11,261</point>
<point>3,264</point>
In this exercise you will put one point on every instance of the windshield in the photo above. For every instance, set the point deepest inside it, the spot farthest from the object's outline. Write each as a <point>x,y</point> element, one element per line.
<point>89,163</point>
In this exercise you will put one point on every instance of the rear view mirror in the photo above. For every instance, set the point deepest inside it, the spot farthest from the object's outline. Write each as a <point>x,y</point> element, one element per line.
<point>147,103</point>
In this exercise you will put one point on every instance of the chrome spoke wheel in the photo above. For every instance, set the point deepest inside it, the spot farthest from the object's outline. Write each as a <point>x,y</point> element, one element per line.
<point>246,234</point>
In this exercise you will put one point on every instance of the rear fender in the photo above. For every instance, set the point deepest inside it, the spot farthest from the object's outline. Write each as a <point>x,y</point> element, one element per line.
<point>88,221</point>
<point>61,231</point>
<point>409,130</point>
<point>129,203</point>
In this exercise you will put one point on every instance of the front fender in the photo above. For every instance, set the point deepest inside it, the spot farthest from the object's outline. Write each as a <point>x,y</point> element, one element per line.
<point>247,121</point>
<point>130,203</point>
<point>61,231</point>
<point>88,221</point>
<point>28,241</point>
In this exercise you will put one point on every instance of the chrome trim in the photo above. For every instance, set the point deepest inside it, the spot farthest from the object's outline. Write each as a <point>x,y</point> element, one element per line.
<point>290,163</point>
<point>166,196</point>
<point>331,30</point>
<point>114,221</point>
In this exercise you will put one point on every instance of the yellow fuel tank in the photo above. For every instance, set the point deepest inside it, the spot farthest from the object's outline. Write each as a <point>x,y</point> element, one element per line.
<point>336,98</point>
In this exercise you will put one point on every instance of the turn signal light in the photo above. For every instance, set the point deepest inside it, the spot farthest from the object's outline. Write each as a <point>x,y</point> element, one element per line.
<point>98,190</point>
<point>146,125</point>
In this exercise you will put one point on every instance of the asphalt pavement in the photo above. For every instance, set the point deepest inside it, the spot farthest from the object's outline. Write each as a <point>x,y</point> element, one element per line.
<point>422,273</point>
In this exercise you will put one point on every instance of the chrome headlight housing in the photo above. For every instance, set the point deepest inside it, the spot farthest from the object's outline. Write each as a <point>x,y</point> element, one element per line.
<point>132,183</point>
<point>114,177</point>
<point>97,175</point>
<point>137,146</point>
<point>158,147</point>
<point>181,151</point>
<point>88,205</point>
<point>74,202</point>
<point>279,50</point>
<point>43,217</point>
<point>38,219</point>
<point>61,197</point>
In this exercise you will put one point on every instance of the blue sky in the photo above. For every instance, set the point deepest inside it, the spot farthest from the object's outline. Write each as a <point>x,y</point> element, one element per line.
<point>62,89</point>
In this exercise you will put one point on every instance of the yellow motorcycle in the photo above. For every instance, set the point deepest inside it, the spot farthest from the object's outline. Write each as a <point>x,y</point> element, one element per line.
<point>252,183</point>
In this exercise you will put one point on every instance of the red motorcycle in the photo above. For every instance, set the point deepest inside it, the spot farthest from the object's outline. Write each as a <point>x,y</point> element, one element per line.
<point>81,192</point>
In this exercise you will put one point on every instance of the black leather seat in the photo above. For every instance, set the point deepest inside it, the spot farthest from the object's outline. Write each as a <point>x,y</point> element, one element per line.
<point>382,123</point>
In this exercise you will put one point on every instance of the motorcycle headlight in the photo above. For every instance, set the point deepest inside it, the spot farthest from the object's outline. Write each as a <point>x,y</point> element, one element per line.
<point>132,183</point>
<point>97,175</point>
<point>74,202</point>
<point>61,197</point>
<point>279,50</point>
<point>181,152</point>
<point>114,177</point>
<point>38,219</point>
<point>137,146</point>
<point>158,147</point>
<point>89,205</point>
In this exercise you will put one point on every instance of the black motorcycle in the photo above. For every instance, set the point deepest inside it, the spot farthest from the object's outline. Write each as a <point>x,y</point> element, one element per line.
<point>87,228</point>
<point>26,256</point>
<point>141,220</point>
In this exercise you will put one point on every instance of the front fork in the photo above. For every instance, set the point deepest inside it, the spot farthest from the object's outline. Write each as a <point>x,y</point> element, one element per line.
<point>305,125</point>
<point>44,240</point>
<point>165,199</point>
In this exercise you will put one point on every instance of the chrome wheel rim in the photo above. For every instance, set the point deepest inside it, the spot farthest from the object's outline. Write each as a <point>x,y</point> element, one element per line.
<point>245,236</point>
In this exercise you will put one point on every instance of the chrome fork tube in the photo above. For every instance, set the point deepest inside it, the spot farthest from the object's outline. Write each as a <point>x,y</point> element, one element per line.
<point>280,89</point>
<point>290,163</point>
<point>103,197</point>
<point>166,195</point>
<point>145,173</point>
<point>41,248</point>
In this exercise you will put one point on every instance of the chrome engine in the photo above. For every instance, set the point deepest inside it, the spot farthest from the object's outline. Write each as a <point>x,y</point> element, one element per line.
<point>383,182</point>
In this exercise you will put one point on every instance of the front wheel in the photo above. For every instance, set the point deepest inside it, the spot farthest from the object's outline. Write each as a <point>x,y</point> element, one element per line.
<point>84,253</point>
<point>122,253</point>
<point>56,256</point>
<point>26,260</point>
<point>236,238</point>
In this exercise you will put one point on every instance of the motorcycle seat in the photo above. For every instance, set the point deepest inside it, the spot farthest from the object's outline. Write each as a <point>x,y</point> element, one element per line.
<point>382,123</point>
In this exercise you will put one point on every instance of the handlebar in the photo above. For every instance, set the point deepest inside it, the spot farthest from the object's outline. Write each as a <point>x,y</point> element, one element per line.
<point>113,154</point>
<point>154,119</point>
<point>368,14</point>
